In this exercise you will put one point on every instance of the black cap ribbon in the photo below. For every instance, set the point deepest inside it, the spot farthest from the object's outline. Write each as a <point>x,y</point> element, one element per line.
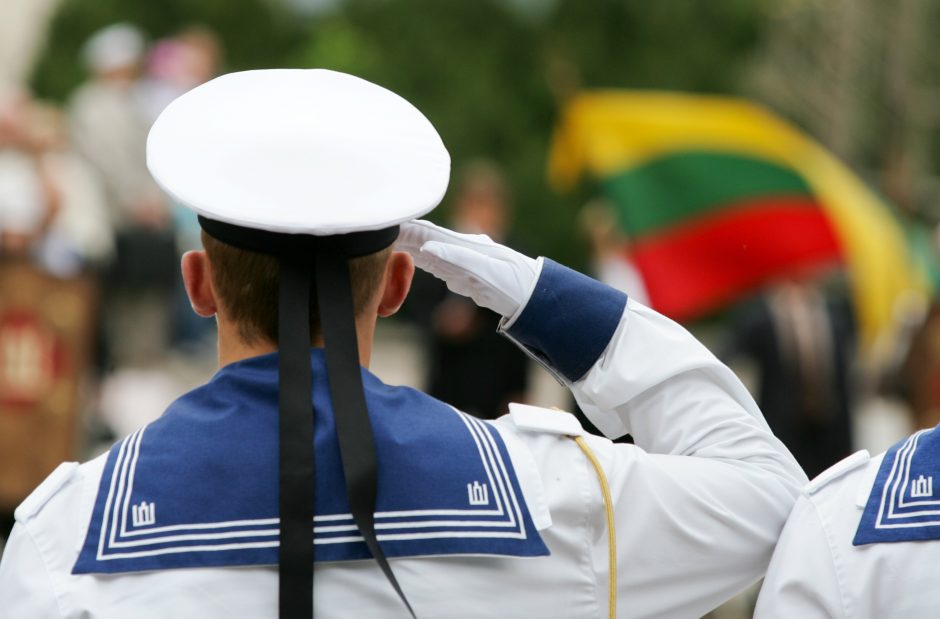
<point>300,256</point>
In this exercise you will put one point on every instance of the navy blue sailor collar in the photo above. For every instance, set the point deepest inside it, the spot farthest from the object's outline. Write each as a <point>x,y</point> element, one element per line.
<point>904,503</point>
<point>198,487</point>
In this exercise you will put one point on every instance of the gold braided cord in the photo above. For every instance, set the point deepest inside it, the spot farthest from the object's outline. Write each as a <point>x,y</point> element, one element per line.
<point>611,527</point>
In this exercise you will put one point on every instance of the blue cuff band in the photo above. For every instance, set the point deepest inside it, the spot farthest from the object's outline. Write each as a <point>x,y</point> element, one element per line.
<point>568,320</point>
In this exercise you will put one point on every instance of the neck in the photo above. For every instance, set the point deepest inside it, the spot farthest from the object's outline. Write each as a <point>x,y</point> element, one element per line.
<point>233,348</point>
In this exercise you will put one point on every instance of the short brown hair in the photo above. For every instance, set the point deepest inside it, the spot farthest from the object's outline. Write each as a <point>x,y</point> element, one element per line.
<point>246,285</point>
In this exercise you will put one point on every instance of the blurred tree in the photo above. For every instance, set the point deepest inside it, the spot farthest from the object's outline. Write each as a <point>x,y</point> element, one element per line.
<point>675,45</point>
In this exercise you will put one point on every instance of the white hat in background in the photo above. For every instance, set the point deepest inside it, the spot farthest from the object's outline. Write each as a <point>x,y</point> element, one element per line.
<point>115,47</point>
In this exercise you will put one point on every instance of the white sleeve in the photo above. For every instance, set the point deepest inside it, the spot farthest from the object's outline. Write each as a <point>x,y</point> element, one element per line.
<point>659,383</point>
<point>25,587</point>
<point>649,352</point>
<point>801,580</point>
<point>695,529</point>
<point>702,497</point>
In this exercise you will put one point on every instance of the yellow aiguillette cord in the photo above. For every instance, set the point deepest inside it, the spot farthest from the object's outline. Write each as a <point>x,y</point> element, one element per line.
<point>611,530</point>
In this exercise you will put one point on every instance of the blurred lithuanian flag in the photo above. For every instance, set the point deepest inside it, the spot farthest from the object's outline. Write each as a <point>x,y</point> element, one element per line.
<point>720,196</point>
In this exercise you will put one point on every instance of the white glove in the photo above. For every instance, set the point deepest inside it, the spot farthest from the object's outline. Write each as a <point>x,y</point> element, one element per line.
<point>472,265</point>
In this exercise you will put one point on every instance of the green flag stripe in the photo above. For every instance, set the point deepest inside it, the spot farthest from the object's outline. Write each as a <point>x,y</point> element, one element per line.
<point>683,186</point>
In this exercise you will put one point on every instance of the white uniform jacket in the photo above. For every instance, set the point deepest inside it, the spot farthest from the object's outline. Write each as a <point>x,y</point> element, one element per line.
<point>698,502</point>
<point>863,540</point>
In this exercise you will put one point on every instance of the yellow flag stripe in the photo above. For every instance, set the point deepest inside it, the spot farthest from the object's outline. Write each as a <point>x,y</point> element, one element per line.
<point>624,129</point>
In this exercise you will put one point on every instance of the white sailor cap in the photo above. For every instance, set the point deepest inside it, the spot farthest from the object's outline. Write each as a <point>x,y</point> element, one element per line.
<point>298,151</point>
<point>313,167</point>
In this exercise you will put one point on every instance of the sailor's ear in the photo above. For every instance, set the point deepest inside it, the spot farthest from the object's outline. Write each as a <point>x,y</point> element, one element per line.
<point>398,275</point>
<point>198,280</point>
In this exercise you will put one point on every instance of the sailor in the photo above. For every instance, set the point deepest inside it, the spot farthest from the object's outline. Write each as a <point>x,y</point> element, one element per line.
<point>862,539</point>
<point>304,180</point>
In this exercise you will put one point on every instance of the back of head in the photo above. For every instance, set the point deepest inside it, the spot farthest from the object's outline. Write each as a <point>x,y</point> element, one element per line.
<point>246,284</point>
<point>294,155</point>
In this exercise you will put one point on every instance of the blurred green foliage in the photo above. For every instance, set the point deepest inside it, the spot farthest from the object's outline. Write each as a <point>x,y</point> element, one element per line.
<point>487,74</point>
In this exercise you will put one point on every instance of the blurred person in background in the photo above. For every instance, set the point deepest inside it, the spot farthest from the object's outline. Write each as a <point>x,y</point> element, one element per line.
<point>802,345</point>
<point>912,368</point>
<point>109,130</point>
<point>29,199</point>
<point>51,205</point>
<point>178,64</point>
<point>918,377</point>
<point>471,365</point>
<point>54,236</point>
<point>174,66</point>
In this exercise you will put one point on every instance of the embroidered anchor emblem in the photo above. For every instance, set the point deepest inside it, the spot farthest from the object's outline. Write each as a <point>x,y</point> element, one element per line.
<point>922,487</point>
<point>478,493</point>
<point>144,514</point>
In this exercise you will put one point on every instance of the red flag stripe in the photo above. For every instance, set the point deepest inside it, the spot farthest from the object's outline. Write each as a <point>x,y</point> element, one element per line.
<point>692,269</point>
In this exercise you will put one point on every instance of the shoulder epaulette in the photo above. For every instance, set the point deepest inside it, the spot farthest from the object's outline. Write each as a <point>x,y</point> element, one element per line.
<point>836,471</point>
<point>45,491</point>
<point>549,420</point>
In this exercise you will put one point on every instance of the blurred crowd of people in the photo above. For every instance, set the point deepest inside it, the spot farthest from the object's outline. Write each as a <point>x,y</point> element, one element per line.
<point>73,182</point>
<point>78,203</point>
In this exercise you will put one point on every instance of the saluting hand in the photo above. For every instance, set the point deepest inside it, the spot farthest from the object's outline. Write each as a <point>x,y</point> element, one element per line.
<point>473,265</point>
